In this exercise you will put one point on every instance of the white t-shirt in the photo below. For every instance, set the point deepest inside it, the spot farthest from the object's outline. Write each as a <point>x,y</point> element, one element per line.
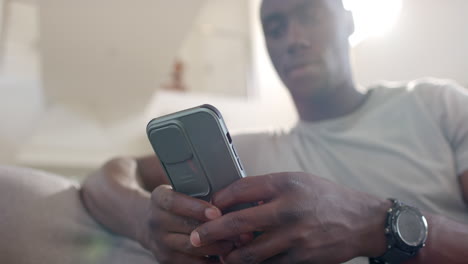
<point>408,141</point>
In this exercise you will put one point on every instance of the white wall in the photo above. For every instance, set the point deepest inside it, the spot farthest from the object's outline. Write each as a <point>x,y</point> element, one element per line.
<point>430,39</point>
<point>109,56</point>
<point>21,106</point>
<point>20,54</point>
<point>101,61</point>
<point>217,51</point>
<point>21,100</point>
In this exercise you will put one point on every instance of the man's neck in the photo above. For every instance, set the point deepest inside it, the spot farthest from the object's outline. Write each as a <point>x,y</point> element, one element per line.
<point>343,101</point>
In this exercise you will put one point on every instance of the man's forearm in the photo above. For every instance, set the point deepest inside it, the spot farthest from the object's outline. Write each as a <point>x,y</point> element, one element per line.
<point>114,198</point>
<point>447,242</point>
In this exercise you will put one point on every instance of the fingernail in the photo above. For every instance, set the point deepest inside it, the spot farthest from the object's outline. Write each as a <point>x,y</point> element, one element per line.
<point>212,213</point>
<point>195,239</point>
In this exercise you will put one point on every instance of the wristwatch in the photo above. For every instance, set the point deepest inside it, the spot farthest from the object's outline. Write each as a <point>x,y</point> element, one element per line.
<point>406,233</point>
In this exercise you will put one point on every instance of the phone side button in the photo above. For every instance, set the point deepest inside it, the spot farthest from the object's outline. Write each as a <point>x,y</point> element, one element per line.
<point>234,150</point>
<point>240,164</point>
<point>229,137</point>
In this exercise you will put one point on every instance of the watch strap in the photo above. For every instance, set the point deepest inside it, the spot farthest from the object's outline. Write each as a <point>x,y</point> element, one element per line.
<point>395,255</point>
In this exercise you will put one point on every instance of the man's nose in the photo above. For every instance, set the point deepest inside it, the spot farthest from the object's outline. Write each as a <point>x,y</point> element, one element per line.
<point>297,40</point>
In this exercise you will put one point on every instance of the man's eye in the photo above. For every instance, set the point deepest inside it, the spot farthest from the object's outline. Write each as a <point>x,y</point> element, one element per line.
<point>275,30</point>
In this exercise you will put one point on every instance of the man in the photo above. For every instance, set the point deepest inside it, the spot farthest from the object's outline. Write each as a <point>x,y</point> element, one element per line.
<point>354,151</point>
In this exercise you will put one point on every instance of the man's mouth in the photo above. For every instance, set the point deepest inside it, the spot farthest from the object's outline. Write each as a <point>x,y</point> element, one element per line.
<point>300,70</point>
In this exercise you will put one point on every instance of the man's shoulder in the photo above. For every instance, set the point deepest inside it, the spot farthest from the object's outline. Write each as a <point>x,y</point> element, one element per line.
<point>422,87</point>
<point>435,98</point>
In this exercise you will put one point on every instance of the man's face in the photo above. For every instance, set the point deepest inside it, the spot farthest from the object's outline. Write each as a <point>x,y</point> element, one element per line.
<point>308,43</point>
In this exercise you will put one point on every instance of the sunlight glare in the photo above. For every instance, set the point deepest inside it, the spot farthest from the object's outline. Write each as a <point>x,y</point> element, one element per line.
<point>373,17</point>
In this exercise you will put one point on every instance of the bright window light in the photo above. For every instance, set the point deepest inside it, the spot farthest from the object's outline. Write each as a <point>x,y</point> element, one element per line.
<point>373,17</point>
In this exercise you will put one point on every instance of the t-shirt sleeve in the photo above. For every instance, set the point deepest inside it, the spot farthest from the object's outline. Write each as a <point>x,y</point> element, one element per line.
<point>448,104</point>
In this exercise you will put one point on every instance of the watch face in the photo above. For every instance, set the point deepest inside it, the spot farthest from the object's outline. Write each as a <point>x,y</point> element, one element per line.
<point>411,227</point>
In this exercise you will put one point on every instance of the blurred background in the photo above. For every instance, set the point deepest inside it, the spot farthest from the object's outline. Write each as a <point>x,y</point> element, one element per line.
<point>79,80</point>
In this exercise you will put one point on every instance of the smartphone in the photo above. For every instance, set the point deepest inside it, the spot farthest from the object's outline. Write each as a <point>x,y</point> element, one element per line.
<point>196,151</point>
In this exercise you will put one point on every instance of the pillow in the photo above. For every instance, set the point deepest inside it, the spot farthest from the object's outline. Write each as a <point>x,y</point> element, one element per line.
<point>42,220</point>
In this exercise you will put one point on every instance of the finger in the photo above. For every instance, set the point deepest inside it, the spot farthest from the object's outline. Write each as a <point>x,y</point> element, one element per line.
<point>234,224</point>
<point>246,190</point>
<point>244,239</point>
<point>173,223</point>
<point>176,258</point>
<point>279,259</point>
<point>264,247</point>
<point>181,243</point>
<point>184,205</point>
<point>163,222</point>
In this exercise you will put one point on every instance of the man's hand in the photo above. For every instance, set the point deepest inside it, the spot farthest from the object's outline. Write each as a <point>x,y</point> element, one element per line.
<point>304,219</point>
<point>160,220</point>
<point>172,217</point>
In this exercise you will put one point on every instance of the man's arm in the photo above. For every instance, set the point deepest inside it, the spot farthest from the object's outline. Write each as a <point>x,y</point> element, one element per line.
<point>114,196</point>
<point>447,239</point>
<point>160,220</point>
<point>307,219</point>
<point>446,242</point>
